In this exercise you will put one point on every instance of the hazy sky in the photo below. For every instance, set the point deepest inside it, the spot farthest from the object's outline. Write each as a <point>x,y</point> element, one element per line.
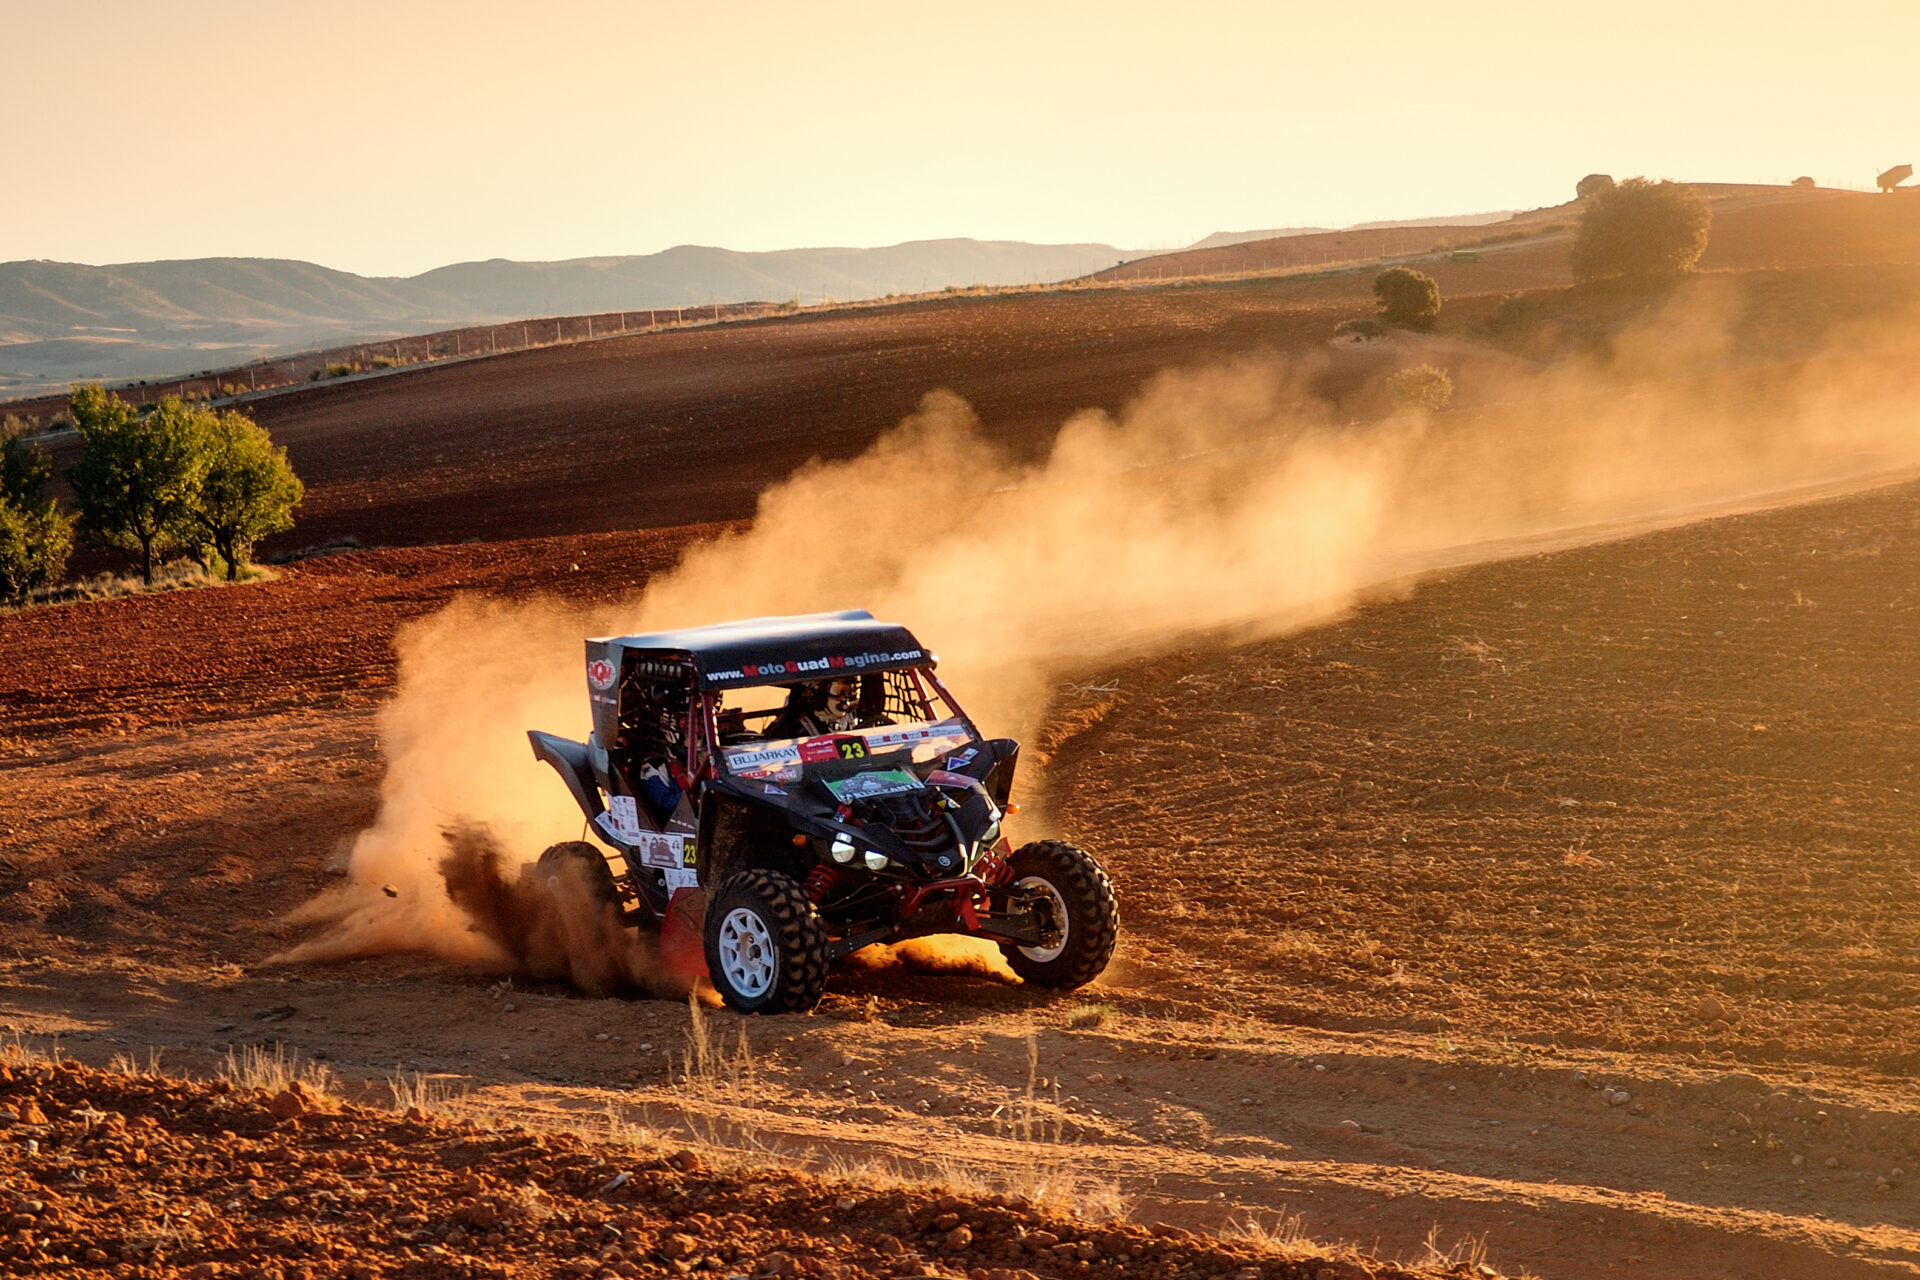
<point>389,138</point>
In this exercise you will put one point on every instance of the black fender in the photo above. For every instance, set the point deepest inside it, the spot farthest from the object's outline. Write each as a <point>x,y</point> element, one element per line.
<point>571,761</point>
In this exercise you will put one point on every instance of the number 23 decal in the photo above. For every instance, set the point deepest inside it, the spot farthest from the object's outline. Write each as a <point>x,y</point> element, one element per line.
<point>852,750</point>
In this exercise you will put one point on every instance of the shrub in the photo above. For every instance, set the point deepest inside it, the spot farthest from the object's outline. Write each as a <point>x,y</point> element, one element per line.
<point>35,535</point>
<point>1360,330</point>
<point>1803,183</point>
<point>1592,185</point>
<point>1408,298</point>
<point>34,544</point>
<point>1641,230</point>
<point>1511,312</point>
<point>1421,387</point>
<point>25,467</point>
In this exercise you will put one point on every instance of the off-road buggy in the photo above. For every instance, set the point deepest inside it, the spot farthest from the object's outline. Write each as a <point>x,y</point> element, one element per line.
<point>796,789</point>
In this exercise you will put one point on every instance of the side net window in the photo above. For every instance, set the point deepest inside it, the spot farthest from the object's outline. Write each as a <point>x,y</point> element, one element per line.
<point>901,700</point>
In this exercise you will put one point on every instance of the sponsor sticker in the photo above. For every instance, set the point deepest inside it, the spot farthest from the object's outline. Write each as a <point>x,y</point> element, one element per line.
<point>962,759</point>
<point>912,734</point>
<point>662,850</point>
<point>815,666</point>
<point>626,818</point>
<point>941,778</point>
<point>600,673</point>
<point>762,761</point>
<point>679,878</point>
<point>867,786</point>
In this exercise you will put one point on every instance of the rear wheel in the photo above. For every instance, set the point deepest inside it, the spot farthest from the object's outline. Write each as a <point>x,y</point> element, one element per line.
<point>588,863</point>
<point>1084,911</point>
<point>766,949</point>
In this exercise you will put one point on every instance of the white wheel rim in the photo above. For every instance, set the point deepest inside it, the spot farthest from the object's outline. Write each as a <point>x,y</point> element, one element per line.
<point>746,953</point>
<point>1041,955</point>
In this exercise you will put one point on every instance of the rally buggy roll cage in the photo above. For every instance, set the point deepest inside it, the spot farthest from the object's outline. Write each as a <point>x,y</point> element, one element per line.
<point>887,830</point>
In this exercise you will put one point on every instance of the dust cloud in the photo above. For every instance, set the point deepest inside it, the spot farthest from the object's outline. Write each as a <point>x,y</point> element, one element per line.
<point>1223,505</point>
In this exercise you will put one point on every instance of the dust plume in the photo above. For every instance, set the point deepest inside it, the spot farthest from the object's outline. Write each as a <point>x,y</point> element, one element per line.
<point>940,953</point>
<point>1223,504</point>
<point>547,922</point>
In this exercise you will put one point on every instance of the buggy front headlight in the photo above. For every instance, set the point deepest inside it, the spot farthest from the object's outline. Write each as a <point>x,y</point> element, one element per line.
<point>841,849</point>
<point>876,861</point>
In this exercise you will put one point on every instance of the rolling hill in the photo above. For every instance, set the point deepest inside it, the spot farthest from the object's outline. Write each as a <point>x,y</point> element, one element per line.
<point>61,321</point>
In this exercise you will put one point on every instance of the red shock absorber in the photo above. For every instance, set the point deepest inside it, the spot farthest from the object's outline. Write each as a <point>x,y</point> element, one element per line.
<point>992,866</point>
<point>820,882</point>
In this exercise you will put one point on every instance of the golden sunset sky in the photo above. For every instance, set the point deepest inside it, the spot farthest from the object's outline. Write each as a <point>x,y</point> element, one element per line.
<point>390,138</point>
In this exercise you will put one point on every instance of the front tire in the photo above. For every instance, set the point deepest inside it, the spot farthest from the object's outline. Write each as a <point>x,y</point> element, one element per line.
<point>1084,908</point>
<point>766,949</point>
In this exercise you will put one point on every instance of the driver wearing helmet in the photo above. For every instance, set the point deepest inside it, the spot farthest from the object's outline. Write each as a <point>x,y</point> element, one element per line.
<point>653,744</point>
<point>819,707</point>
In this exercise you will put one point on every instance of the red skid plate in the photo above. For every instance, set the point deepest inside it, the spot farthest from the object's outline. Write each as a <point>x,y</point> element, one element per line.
<point>682,951</point>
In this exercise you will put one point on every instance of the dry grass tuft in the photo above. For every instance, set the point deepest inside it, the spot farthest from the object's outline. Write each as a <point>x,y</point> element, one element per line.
<point>127,1065</point>
<point>255,1068</point>
<point>427,1095</point>
<point>1090,1017</point>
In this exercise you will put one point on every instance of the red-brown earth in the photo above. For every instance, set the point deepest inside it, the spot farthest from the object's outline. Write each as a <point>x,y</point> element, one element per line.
<point>1561,905</point>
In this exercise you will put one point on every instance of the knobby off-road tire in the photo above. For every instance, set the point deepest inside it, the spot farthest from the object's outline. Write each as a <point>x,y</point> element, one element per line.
<point>591,865</point>
<point>1088,914</point>
<point>766,950</point>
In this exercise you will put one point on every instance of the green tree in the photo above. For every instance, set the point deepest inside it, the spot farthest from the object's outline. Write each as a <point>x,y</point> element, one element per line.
<point>1408,298</point>
<point>1422,387</point>
<point>248,489</point>
<point>1593,184</point>
<point>34,544</point>
<point>138,478</point>
<point>1641,230</point>
<point>35,535</point>
<point>25,467</point>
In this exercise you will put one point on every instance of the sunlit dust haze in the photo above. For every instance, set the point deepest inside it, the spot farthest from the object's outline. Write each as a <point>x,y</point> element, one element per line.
<point>388,139</point>
<point>1223,505</point>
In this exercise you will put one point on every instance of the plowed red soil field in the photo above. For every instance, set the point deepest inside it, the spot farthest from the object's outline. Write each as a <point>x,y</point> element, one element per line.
<point>1553,914</point>
<point>1565,904</point>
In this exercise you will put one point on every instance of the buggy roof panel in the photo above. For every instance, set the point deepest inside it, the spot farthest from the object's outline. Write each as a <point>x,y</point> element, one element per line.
<point>812,646</point>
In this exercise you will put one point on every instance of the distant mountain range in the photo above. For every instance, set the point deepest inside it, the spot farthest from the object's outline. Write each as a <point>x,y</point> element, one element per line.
<point>1220,239</point>
<point>61,321</point>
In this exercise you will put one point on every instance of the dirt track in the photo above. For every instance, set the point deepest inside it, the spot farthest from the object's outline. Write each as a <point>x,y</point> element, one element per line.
<point>1454,851</point>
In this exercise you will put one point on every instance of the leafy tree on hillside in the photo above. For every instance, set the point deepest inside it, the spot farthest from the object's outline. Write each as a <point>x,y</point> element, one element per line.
<point>138,478</point>
<point>25,467</point>
<point>248,490</point>
<point>1408,298</point>
<point>1592,185</point>
<point>1641,230</point>
<point>1421,387</point>
<point>35,535</point>
<point>34,545</point>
